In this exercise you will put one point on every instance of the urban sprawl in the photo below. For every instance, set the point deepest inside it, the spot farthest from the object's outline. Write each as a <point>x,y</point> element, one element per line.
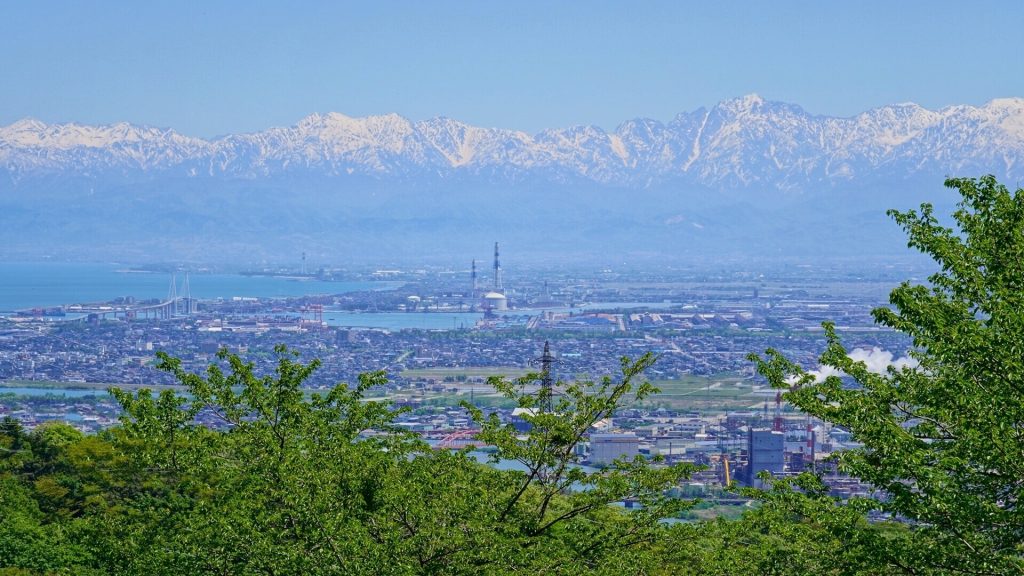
<point>712,408</point>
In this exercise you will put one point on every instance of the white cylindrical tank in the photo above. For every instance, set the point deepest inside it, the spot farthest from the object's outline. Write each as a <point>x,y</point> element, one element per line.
<point>495,301</point>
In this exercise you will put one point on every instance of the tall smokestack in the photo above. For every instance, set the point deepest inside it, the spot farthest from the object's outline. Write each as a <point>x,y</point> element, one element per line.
<point>497,270</point>
<point>473,275</point>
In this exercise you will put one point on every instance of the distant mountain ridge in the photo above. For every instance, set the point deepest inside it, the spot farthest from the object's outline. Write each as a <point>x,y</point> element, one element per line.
<point>746,178</point>
<point>739,143</point>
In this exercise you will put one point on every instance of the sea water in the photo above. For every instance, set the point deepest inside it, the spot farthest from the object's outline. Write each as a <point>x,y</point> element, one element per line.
<point>26,285</point>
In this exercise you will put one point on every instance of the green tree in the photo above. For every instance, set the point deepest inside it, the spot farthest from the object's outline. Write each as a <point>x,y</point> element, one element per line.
<point>796,528</point>
<point>283,487</point>
<point>46,492</point>
<point>557,506</point>
<point>943,440</point>
<point>286,482</point>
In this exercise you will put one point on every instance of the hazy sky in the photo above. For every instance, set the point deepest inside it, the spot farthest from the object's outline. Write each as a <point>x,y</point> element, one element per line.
<point>213,67</point>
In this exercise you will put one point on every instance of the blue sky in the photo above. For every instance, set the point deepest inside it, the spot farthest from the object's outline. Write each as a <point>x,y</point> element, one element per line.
<point>212,67</point>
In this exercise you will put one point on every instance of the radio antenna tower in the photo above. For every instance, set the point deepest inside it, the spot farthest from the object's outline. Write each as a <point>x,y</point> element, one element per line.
<point>497,270</point>
<point>546,380</point>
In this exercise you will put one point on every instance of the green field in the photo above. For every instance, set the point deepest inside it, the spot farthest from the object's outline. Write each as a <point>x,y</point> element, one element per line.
<point>479,400</point>
<point>704,393</point>
<point>468,372</point>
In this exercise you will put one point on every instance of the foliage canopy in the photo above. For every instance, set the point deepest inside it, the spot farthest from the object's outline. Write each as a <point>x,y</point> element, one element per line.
<point>287,483</point>
<point>942,440</point>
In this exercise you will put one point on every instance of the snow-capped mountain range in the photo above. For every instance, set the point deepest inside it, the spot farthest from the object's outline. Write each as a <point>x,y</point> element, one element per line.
<point>746,178</point>
<point>741,143</point>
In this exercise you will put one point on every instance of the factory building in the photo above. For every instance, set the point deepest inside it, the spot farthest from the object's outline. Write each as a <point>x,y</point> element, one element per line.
<point>765,452</point>
<point>606,448</point>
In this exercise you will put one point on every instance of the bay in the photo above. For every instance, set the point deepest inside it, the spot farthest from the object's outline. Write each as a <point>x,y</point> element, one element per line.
<point>25,285</point>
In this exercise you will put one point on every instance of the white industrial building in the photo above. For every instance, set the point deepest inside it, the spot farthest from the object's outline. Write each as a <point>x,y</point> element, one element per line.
<point>606,448</point>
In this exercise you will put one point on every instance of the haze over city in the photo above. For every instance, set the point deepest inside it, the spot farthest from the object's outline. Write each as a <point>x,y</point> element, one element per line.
<point>455,287</point>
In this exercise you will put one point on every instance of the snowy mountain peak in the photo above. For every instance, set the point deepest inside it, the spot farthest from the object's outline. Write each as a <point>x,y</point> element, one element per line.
<point>1015,104</point>
<point>751,100</point>
<point>25,124</point>
<point>748,103</point>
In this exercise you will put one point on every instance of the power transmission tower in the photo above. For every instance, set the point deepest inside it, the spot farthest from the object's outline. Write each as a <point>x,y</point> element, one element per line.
<point>547,382</point>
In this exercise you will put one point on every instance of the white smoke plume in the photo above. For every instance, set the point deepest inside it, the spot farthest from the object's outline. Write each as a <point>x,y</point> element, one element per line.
<point>876,360</point>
